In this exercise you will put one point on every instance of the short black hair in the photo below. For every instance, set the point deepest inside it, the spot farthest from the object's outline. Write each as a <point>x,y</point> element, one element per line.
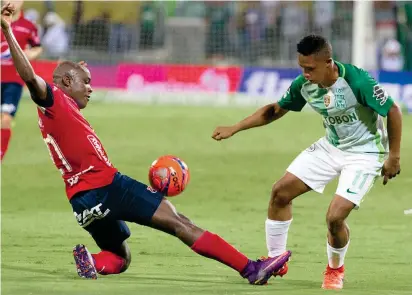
<point>65,68</point>
<point>313,44</point>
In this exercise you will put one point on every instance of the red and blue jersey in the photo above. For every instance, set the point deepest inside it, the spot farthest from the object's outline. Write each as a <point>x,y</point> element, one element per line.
<point>73,145</point>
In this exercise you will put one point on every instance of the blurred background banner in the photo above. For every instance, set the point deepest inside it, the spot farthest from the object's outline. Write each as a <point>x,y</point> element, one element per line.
<point>244,50</point>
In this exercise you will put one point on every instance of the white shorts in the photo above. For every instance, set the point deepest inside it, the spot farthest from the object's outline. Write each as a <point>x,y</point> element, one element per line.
<point>322,162</point>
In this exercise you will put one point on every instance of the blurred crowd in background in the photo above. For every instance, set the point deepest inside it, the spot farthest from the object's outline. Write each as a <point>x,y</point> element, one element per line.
<point>261,33</point>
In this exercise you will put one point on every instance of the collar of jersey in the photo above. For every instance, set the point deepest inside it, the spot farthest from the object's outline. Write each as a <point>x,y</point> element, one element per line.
<point>341,69</point>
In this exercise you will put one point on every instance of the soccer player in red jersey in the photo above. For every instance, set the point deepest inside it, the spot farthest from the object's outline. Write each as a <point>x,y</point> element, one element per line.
<point>101,197</point>
<point>11,83</point>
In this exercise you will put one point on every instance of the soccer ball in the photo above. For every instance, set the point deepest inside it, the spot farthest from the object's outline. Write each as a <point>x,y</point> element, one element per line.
<point>169,175</point>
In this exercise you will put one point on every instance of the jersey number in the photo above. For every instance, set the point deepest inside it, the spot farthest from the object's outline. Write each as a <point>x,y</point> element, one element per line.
<point>51,142</point>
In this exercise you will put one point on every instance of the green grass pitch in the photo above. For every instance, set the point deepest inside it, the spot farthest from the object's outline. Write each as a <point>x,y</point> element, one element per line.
<point>228,194</point>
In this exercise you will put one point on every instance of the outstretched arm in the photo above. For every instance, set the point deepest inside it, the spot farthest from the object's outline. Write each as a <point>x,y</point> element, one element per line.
<point>292,100</point>
<point>262,116</point>
<point>36,84</point>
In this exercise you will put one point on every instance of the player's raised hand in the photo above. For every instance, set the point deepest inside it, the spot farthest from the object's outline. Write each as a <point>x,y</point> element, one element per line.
<point>390,169</point>
<point>7,11</point>
<point>223,132</point>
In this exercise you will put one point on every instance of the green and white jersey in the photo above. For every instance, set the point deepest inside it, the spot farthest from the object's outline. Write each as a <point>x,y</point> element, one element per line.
<point>351,109</point>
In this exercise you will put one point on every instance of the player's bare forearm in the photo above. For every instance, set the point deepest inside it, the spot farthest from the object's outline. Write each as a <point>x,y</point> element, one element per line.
<point>394,127</point>
<point>34,52</point>
<point>261,117</point>
<point>23,66</point>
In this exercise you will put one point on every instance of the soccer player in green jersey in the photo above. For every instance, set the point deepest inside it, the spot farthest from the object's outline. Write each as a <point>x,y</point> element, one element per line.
<point>356,147</point>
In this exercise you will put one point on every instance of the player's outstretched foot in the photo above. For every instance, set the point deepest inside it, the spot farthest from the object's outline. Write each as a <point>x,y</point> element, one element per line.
<point>84,262</point>
<point>333,278</point>
<point>258,272</point>
<point>281,272</point>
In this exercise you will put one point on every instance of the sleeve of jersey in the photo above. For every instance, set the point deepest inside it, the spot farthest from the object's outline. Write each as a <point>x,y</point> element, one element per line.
<point>292,100</point>
<point>46,103</point>
<point>374,95</point>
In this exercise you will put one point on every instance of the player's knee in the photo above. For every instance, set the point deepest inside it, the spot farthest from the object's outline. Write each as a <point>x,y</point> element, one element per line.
<point>6,120</point>
<point>279,196</point>
<point>127,261</point>
<point>335,223</point>
<point>126,254</point>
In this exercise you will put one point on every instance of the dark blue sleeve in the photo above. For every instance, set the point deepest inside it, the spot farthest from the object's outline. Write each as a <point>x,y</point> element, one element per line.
<point>46,103</point>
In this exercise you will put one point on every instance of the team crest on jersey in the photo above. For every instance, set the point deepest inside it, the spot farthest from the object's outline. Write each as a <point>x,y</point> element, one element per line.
<point>340,102</point>
<point>326,100</point>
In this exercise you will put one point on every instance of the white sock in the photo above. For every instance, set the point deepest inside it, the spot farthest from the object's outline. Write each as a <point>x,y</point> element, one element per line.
<point>276,236</point>
<point>336,257</point>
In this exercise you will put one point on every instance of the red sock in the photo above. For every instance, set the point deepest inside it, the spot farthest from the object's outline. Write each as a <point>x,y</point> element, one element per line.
<point>107,263</point>
<point>5,139</point>
<point>212,246</point>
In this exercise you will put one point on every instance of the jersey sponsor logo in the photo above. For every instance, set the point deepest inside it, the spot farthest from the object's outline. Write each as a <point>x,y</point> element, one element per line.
<point>343,119</point>
<point>88,216</point>
<point>75,178</point>
<point>380,94</point>
<point>99,149</point>
<point>326,100</point>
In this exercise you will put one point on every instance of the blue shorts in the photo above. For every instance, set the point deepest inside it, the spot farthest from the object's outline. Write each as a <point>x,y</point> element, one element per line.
<point>103,211</point>
<point>10,97</point>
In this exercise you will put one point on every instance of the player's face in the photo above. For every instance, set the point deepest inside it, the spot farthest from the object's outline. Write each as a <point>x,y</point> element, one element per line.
<point>314,68</point>
<point>80,87</point>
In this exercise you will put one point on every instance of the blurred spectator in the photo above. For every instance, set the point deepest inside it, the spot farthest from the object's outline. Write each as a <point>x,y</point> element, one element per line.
<point>148,19</point>
<point>251,28</point>
<point>217,20</point>
<point>189,8</point>
<point>295,23</point>
<point>404,31</point>
<point>55,39</point>
<point>33,15</point>
<point>271,12</point>
<point>391,58</point>
<point>385,20</point>
<point>93,34</point>
<point>342,31</point>
<point>323,17</point>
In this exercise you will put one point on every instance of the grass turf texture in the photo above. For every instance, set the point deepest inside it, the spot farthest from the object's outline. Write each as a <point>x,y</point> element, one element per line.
<point>228,194</point>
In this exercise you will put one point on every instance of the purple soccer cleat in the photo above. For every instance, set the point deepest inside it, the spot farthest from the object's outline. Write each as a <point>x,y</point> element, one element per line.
<point>258,272</point>
<point>84,262</point>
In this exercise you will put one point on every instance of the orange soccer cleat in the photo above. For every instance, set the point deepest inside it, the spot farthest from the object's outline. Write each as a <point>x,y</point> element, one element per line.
<point>333,278</point>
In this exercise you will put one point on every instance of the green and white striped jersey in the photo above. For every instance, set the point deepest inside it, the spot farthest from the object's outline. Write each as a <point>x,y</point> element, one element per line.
<point>351,109</point>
